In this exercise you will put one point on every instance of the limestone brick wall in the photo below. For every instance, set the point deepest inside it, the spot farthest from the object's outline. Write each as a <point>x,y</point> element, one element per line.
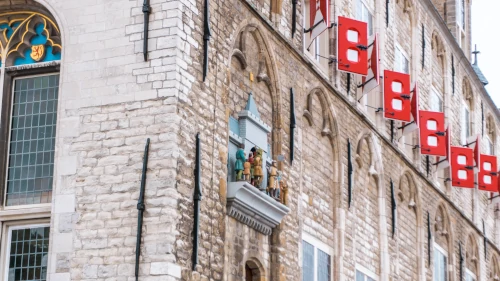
<point>110,102</point>
<point>361,234</point>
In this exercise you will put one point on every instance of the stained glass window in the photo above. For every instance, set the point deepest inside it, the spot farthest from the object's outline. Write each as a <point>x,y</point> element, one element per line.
<point>32,140</point>
<point>28,254</point>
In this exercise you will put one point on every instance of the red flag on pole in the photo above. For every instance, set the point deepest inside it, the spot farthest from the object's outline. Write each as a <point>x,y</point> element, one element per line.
<point>319,17</point>
<point>488,173</point>
<point>397,100</point>
<point>415,104</point>
<point>444,162</point>
<point>474,142</point>
<point>462,172</point>
<point>432,133</point>
<point>372,79</point>
<point>352,48</point>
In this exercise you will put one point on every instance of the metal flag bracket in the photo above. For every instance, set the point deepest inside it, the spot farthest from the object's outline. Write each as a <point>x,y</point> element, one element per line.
<point>316,25</point>
<point>406,125</point>
<point>470,143</point>
<point>366,82</point>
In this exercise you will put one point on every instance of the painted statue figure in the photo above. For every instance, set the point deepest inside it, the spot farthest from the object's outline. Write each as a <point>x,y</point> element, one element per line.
<point>272,181</point>
<point>239,165</point>
<point>284,193</point>
<point>257,168</point>
<point>250,160</point>
<point>277,194</point>
<point>246,170</point>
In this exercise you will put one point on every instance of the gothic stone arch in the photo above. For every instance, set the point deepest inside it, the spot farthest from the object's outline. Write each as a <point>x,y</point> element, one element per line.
<point>260,54</point>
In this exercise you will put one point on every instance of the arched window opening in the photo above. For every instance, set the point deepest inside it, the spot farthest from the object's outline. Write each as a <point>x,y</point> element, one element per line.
<point>494,269</point>
<point>30,51</point>
<point>467,115</point>
<point>443,250</point>
<point>254,271</point>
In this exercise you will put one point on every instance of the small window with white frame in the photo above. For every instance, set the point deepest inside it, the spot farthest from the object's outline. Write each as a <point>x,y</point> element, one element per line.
<point>469,276</point>
<point>440,264</point>
<point>489,147</point>
<point>401,61</point>
<point>316,259</point>
<point>461,14</point>
<point>436,101</point>
<point>363,274</point>
<point>364,13</point>
<point>318,49</point>
<point>25,251</point>
<point>466,123</point>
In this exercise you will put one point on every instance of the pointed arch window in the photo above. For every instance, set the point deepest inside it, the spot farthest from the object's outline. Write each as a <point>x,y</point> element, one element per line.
<point>31,40</point>
<point>471,260</point>
<point>30,51</point>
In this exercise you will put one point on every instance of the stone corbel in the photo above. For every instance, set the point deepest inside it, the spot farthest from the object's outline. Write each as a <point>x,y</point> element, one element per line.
<point>412,204</point>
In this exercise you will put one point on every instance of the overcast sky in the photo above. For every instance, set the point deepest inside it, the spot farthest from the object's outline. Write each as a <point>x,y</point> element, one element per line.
<point>485,35</point>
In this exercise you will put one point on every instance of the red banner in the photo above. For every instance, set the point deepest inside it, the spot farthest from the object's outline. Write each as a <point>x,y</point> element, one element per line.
<point>415,104</point>
<point>432,133</point>
<point>444,162</point>
<point>462,171</point>
<point>319,17</point>
<point>474,142</point>
<point>352,48</point>
<point>397,100</point>
<point>372,80</point>
<point>488,173</point>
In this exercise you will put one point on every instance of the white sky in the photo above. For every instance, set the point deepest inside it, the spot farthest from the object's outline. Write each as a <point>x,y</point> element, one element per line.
<point>487,38</point>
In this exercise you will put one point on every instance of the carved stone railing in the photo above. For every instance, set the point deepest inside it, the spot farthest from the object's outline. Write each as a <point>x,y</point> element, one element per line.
<point>250,206</point>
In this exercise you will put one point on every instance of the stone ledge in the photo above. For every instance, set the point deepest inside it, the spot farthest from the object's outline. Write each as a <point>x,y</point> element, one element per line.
<point>250,206</point>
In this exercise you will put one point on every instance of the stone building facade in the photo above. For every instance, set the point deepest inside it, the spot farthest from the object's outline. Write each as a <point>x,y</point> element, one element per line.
<point>79,102</point>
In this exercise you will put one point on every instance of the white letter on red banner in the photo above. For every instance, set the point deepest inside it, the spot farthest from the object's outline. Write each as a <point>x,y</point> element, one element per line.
<point>397,100</point>
<point>432,133</point>
<point>488,173</point>
<point>462,171</point>
<point>352,48</point>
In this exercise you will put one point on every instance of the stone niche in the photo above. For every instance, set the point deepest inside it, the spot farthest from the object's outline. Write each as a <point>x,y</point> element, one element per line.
<point>249,204</point>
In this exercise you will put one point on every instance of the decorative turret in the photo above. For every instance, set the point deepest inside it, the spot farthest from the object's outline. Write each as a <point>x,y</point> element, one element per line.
<point>478,71</point>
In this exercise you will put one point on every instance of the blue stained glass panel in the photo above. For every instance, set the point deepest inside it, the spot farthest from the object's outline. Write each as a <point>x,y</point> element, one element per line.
<point>39,39</point>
